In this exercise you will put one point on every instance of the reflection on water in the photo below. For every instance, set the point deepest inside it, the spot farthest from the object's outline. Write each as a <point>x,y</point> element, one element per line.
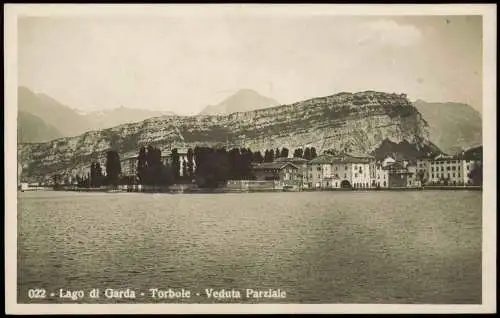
<point>321,247</point>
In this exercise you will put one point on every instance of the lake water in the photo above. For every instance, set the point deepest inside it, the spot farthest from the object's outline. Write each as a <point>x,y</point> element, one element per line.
<point>418,247</point>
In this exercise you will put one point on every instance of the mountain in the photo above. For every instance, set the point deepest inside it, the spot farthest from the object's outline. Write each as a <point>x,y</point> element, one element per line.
<point>453,126</point>
<point>66,120</point>
<point>122,115</point>
<point>72,122</point>
<point>31,128</point>
<point>357,122</point>
<point>242,101</point>
<point>404,150</point>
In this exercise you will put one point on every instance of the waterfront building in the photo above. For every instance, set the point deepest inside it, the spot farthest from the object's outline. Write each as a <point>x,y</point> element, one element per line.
<point>423,170</point>
<point>341,171</point>
<point>129,165</point>
<point>360,175</point>
<point>398,175</point>
<point>412,180</point>
<point>379,175</point>
<point>285,172</point>
<point>166,157</point>
<point>388,160</point>
<point>447,170</point>
<point>319,171</point>
<point>302,164</point>
<point>454,169</point>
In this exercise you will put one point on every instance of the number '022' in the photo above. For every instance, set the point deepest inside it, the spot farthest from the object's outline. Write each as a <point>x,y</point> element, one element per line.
<point>37,293</point>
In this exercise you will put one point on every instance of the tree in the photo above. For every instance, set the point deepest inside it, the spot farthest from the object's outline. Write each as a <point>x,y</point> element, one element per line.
<point>142,166</point>
<point>56,178</point>
<point>185,170</point>
<point>277,154</point>
<point>421,177</point>
<point>266,156</point>
<point>95,174</point>
<point>214,168</point>
<point>176,165</point>
<point>313,153</point>
<point>298,153</point>
<point>271,155</point>
<point>190,163</point>
<point>234,162</point>
<point>257,157</point>
<point>307,153</point>
<point>476,174</point>
<point>113,168</point>
<point>284,152</point>
<point>166,177</point>
<point>246,164</point>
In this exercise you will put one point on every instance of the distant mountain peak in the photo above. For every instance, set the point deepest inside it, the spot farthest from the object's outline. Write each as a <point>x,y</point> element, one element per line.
<point>242,101</point>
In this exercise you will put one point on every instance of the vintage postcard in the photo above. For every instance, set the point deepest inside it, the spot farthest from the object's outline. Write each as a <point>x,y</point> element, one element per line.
<point>244,158</point>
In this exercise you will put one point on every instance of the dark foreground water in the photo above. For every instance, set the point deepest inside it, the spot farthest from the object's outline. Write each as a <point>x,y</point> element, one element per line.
<point>323,247</point>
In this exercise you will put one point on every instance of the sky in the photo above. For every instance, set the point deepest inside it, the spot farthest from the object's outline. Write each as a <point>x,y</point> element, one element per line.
<point>184,63</point>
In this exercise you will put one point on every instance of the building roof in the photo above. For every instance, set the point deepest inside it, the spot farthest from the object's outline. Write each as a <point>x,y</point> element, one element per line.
<point>341,159</point>
<point>395,166</point>
<point>322,159</point>
<point>134,156</point>
<point>475,153</point>
<point>292,160</point>
<point>274,165</point>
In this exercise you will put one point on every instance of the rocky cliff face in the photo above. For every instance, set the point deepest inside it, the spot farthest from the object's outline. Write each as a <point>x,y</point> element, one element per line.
<point>354,122</point>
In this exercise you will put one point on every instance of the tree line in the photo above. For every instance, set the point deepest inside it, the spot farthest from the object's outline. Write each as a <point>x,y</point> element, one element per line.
<point>208,167</point>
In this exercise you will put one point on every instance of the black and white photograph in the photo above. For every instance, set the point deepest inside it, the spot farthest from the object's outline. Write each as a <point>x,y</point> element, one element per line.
<point>238,158</point>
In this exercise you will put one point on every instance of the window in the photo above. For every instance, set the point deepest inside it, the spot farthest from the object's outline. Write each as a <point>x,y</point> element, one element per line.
<point>433,175</point>
<point>453,174</point>
<point>447,168</point>
<point>432,169</point>
<point>442,168</point>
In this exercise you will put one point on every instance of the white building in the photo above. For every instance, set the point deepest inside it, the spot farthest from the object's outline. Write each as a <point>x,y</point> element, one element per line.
<point>379,175</point>
<point>388,161</point>
<point>423,170</point>
<point>447,170</point>
<point>452,170</point>
<point>183,159</point>
<point>344,171</point>
<point>412,178</point>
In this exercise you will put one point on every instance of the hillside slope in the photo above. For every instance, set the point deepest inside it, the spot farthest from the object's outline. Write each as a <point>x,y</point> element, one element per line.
<point>31,128</point>
<point>452,126</point>
<point>351,122</point>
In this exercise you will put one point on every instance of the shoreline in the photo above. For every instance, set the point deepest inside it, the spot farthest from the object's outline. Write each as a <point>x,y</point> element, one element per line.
<point>255,190</point>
